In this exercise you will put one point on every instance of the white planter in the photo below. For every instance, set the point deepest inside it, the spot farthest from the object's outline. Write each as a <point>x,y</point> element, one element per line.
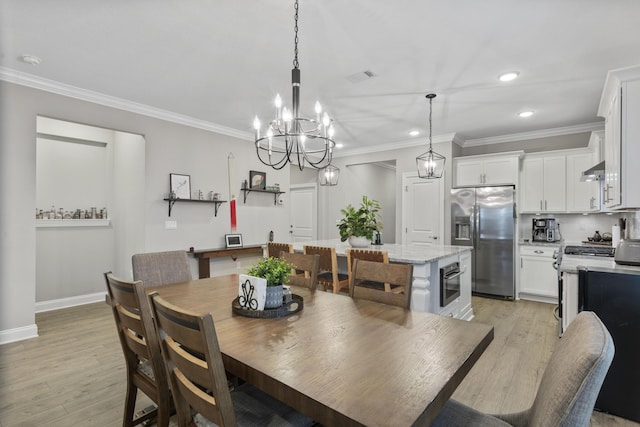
<point>359,242</point>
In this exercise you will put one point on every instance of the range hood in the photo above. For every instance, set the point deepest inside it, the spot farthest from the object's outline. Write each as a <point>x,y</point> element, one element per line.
<point>594,173</point>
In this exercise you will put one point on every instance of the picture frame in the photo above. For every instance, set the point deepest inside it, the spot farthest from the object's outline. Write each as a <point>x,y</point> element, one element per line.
<point>180,185</point>
<point>233,240</point>
<point>257,180</point>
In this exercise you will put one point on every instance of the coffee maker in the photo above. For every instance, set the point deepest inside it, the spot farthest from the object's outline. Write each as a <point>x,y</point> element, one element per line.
<point>545,230</point>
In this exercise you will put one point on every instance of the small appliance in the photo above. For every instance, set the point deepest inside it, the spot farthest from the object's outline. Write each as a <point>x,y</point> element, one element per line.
<point>628,252</point>
<point>545,230</point>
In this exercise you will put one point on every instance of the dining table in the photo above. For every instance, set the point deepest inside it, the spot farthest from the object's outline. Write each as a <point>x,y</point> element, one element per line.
<point>339,360</point>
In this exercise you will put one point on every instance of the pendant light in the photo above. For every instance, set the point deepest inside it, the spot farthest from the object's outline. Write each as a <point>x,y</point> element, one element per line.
<point>291,138</point>
<point>329,176</point>
<point>430,164</point>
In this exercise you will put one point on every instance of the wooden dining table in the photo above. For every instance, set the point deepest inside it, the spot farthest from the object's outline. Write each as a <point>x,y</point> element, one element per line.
<point>339,360</point>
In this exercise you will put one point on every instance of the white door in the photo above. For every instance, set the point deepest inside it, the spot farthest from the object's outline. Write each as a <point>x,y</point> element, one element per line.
<point>303,213</point>
<point>422,218</point>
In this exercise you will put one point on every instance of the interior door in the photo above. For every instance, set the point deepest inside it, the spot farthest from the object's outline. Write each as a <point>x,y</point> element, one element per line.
<point>422,210</point>
<point>303,213</point>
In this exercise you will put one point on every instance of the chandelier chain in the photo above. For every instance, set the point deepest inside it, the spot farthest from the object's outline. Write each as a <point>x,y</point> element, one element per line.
<point>430,114</point>
<point>296,64</point>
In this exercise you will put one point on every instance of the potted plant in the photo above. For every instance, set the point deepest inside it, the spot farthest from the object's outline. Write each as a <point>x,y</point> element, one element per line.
<point>276,271</point>
<point>359,225</point>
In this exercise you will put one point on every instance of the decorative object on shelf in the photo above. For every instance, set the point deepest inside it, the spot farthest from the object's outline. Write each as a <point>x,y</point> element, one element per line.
<point>363,222</point>
<point>258,180</point>
<point>276,271</point>
<point>329,176</point>
<point>180,186</point>
<point>233,240</point>
<point>290,137</point>
<point>430,164</point>
<point>252,292</point>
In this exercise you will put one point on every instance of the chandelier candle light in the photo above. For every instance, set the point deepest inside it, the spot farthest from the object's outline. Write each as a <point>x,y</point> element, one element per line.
<point>291,138</point>
<point>430,164</point>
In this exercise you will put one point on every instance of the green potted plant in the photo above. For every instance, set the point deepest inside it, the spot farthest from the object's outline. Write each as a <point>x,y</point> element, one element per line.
<point>276,271</point>
<point>359,225</point>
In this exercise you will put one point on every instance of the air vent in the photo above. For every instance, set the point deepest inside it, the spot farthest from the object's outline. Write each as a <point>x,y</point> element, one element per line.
<point>361,76</point>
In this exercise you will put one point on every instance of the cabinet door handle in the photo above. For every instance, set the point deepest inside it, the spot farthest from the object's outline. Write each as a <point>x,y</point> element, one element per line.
<point>541,204</point>
<point>538,251</point>
<point>545,205</point>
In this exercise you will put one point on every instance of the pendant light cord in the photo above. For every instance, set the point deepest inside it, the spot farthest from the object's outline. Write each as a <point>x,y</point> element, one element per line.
<point>296,65</point>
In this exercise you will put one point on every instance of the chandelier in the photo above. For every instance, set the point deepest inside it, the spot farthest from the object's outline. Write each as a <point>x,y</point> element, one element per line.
<point>291,138</point>
<point>430,164</point>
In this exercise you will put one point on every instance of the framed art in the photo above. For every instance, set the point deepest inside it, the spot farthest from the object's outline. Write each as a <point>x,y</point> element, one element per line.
<point>257,180</point>
<point>233,240</point>
<point>180,185</point>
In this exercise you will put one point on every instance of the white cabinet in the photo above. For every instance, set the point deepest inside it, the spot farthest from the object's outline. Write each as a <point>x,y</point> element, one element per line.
<point>620,106</point>
<point>492,169</point>
<point>538,278</point>
<point>543,184</point>
<point>465,309</point>
<point>582,196</point>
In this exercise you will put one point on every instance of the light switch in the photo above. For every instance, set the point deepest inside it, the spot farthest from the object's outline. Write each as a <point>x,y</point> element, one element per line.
<point>170,225</point>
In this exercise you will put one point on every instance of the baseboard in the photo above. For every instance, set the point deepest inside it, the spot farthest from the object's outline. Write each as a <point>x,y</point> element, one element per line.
<point>18,334</point>
<point>538,298</point>
<point>56,304</point>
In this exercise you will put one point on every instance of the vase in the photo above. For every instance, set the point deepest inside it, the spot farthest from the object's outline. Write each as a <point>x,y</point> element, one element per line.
<point>359,242</point>
<point>274,297</point>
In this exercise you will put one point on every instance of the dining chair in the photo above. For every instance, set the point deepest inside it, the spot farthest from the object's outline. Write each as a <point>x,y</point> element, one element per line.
<point>569,386</point>
<point>192,355</point>
<point>308,264</point>
<point>328,276</point>
<point>368,255</point>
<point>141,348</point>
<point>161,268</point>
<point>400,275</point>
<point>274,249</point>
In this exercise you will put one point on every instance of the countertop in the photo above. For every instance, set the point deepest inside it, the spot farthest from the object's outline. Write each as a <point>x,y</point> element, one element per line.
<point>570,264</point>
<point>411,254</point>
<point>532,243</point>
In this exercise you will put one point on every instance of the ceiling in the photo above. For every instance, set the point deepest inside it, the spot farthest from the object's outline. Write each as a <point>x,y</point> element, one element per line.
<point>223,61</point>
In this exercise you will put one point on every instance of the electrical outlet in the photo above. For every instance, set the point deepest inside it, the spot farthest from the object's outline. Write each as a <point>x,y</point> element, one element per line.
<point>170,225</point>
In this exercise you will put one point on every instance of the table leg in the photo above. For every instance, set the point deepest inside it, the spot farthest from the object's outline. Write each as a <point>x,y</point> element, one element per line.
<point>203,268</point>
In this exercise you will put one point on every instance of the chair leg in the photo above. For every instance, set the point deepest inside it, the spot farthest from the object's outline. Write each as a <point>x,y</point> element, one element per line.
<point>164,412</point>
<point>130,405</point>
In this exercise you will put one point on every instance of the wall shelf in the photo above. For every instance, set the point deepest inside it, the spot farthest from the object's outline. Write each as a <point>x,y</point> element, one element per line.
<point>276,194</point>
<point>51,223</point>
<point>217,203</point>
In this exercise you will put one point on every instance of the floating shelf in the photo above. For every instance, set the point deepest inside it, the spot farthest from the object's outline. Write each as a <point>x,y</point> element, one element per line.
<point>50,223</point>
<point>217,203</point>
<point>276,194</point>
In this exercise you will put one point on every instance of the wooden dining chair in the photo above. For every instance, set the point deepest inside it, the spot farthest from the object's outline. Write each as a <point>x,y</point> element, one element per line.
<point>328,276</point>
<point>569,386</point>
<point>399,275</point>
<point>369,255</point>
<point>192,355</point>
<point>161,268</point>
<point>308,264</point>
<point>274,249</point>
<point>141,348</point>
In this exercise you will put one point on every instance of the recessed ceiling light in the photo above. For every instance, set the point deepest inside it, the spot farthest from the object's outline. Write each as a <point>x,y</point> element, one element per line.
<point>339,145</point>
<point>507,77</point>
<point>30,59</point>
<point>414,133</point>
<point>526,114</point>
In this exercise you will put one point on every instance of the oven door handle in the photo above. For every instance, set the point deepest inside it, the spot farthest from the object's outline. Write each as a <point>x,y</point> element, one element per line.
<point>458,274</point>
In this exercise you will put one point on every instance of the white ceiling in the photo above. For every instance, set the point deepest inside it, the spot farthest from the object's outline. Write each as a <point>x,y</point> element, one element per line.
<point>223,61</point>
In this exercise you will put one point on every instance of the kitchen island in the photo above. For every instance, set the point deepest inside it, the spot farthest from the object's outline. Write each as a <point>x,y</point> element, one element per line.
<point>427,261</point>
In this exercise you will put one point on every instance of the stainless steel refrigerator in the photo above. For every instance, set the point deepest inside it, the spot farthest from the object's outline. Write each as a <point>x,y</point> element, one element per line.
<point>484,217</point>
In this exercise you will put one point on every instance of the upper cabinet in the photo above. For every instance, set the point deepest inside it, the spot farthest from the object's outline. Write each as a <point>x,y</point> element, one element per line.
<point>543,184</point>
<point>620,107</point>
<point>582,196</point>
<point>490,169</point>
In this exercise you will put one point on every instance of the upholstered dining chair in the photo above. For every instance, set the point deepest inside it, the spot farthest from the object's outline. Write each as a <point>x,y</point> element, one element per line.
<point>308,264</point>
<point>397,275</point>
<point>328,277</point>
<point>141,348</point>
<point>192,355</point>
<point>569,386</point>
<point>161,268</point>
<point>274,249</point>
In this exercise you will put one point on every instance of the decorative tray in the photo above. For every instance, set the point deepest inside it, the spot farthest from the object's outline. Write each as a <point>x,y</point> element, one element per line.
<point>286,309</point>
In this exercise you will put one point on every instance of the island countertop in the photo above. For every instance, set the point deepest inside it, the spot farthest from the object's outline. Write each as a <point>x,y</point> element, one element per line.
<point>409,253</point>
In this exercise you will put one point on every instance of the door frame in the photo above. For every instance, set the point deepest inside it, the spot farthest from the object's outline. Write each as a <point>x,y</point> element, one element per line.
<point>314,209</point>
<point>405,178</point>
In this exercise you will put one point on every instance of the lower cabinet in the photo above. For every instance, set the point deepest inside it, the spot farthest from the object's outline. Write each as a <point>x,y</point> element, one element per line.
<point>538,278</point>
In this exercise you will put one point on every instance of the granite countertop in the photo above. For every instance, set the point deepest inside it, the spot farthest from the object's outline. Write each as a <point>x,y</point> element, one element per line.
<point>532,243</point>
<point>570,264</point>
<point>413,254</point>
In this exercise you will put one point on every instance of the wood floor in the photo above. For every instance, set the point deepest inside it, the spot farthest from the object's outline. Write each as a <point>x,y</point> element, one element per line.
<point>73,373</point>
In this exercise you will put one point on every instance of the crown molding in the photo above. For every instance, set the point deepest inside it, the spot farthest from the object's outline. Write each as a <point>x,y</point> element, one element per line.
<point>567,130</point>
<point>397,145</point>
<point>35,82</point>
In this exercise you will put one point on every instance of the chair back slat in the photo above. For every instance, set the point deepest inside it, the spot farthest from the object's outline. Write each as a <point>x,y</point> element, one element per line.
<point>325,254</point>
<point>161,268</point>
<point>399,275</point>
<point>274,249</point>
<point>306,263</point>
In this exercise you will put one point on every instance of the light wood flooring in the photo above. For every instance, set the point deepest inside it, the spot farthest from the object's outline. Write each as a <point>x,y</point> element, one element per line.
<point>73,373</point>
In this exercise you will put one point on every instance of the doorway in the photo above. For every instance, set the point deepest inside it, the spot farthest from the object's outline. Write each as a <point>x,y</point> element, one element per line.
<point>422,215</point>
<point>303,213</point>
